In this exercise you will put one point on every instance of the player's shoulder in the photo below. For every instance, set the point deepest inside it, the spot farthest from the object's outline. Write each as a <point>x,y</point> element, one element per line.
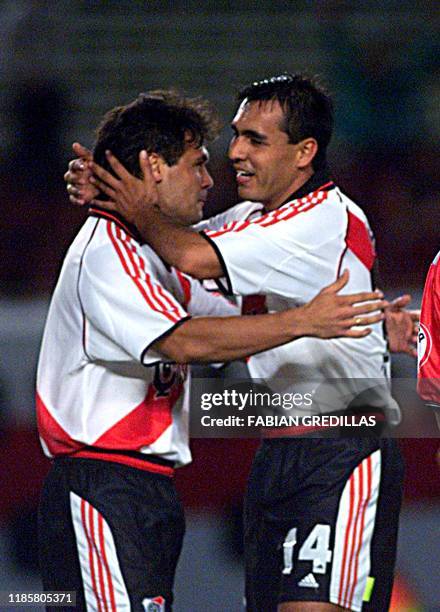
<point>239,212</point>
<point>112,248</point>
<point>350,205</point>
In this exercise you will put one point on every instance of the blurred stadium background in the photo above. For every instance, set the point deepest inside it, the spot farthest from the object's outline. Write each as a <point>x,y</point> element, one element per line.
<point>64,63</point>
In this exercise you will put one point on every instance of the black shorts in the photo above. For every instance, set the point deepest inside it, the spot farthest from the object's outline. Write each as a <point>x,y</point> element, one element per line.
<point>110,532</point>
<point>321,522</point>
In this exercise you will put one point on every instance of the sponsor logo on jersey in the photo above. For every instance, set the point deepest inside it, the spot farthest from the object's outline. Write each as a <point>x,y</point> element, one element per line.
<point>309,582</point>
<point>424,345</point>
<point>157,604</point>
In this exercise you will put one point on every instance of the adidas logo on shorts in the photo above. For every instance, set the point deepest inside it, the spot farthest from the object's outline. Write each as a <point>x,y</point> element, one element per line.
<point>309,581</point>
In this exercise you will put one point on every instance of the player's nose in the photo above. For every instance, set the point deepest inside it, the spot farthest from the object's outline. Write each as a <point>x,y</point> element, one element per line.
<point>207,180</point>
<point>237,150</point>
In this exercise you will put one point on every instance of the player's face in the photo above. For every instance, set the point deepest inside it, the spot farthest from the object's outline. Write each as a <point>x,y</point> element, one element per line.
<point>184,187</point>
<point>267,165</point>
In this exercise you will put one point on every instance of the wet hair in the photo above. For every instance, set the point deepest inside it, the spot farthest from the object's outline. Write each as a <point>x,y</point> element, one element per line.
<point>161,121</point>
<point>308,108</point>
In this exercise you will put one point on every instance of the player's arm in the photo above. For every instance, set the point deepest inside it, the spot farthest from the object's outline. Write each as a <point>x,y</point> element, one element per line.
<point>137,200</point>
<point>328,315</point>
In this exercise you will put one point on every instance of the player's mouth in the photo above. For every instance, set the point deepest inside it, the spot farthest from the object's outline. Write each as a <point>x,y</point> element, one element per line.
<point>244,177</point>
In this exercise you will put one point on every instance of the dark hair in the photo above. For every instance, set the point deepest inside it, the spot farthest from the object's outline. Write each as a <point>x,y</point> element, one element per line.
<point>160,121</point>
<point>308,108</point>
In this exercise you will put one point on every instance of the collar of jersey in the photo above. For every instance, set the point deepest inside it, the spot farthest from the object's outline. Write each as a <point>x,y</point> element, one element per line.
<point>111,215</point>
<point>319,181</point>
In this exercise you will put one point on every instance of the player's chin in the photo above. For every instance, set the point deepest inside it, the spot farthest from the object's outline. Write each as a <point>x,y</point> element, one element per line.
<point>246,192</point>
<point>196,213</point>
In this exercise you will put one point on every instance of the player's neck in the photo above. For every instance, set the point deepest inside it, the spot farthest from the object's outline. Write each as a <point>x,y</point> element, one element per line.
<point>286,195</point>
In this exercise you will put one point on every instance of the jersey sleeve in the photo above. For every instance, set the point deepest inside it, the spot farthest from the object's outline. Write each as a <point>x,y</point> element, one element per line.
<point>274,255</point>
<point>209,303</point>
<point>429,339</point>
<point>125,306</point>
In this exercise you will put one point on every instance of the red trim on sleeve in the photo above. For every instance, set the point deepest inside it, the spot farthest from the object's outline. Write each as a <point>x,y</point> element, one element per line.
<point>186,288</point>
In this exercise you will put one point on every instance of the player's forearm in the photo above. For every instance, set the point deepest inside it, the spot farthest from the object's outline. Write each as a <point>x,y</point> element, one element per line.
<point>210,339</point>
<point>179,246</point>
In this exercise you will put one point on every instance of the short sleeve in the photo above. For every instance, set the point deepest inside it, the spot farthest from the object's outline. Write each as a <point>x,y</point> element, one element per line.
<point>277,254</point>
<point>126,307</point>
<point>209,303</point>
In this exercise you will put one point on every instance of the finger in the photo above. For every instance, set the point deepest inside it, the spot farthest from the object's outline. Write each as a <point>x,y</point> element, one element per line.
<point>338,284</point>
<point>363,296</point>
<point>119,169</point>
<point>82,151</point>
<point>102,175</point>
<point>401,301</point>
<point>78,165</point>
<point>145,165</point>
<point>369,307</point>
<point>76,201</point>
<point>72,190</point>
<point>104,187</point>
<point>362,321</point>
<point>415,315</point>
<point>107,204</point>
<point>357,333</point>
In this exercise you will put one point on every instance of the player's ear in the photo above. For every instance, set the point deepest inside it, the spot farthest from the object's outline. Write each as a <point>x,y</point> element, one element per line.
<point>307,149</point>
<point>157,166</point>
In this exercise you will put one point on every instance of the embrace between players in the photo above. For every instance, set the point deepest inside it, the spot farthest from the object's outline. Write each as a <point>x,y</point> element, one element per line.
<point>128,315</point>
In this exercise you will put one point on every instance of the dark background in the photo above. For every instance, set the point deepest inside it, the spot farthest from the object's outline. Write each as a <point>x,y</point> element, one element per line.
<point>63,64</point>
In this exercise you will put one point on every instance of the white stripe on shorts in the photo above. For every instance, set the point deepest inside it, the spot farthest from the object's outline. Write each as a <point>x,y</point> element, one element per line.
<point>354,532</point>
<point>104,586</point>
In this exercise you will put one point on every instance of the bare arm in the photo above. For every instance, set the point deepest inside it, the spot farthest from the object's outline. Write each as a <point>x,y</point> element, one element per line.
<point>328,315</point>
<point>137,200</point>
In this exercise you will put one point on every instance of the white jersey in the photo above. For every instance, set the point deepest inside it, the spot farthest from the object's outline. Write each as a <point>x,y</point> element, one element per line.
<point>289,255</point>
<point>101,387</point>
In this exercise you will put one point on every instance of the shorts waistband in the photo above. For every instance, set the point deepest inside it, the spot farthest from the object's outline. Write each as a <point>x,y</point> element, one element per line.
<point>141,461</point>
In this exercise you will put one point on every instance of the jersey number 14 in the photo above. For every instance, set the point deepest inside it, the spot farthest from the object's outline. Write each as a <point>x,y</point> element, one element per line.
<point>315,549</point>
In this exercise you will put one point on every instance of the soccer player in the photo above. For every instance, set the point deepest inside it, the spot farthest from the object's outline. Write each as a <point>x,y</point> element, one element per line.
<point>111,385</point>
<point>322,513</point>
<point>429,340</point>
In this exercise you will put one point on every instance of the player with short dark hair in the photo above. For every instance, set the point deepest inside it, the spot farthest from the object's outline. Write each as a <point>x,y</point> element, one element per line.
<point>322,512</point>
<point>307,109</point>
<point>112,404</point>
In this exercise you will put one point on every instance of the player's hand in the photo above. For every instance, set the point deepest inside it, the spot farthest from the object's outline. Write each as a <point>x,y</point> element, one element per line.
<point>132,197</point>
<point>80,189</point>
<point>402,326</point>
<point>330,315</point>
